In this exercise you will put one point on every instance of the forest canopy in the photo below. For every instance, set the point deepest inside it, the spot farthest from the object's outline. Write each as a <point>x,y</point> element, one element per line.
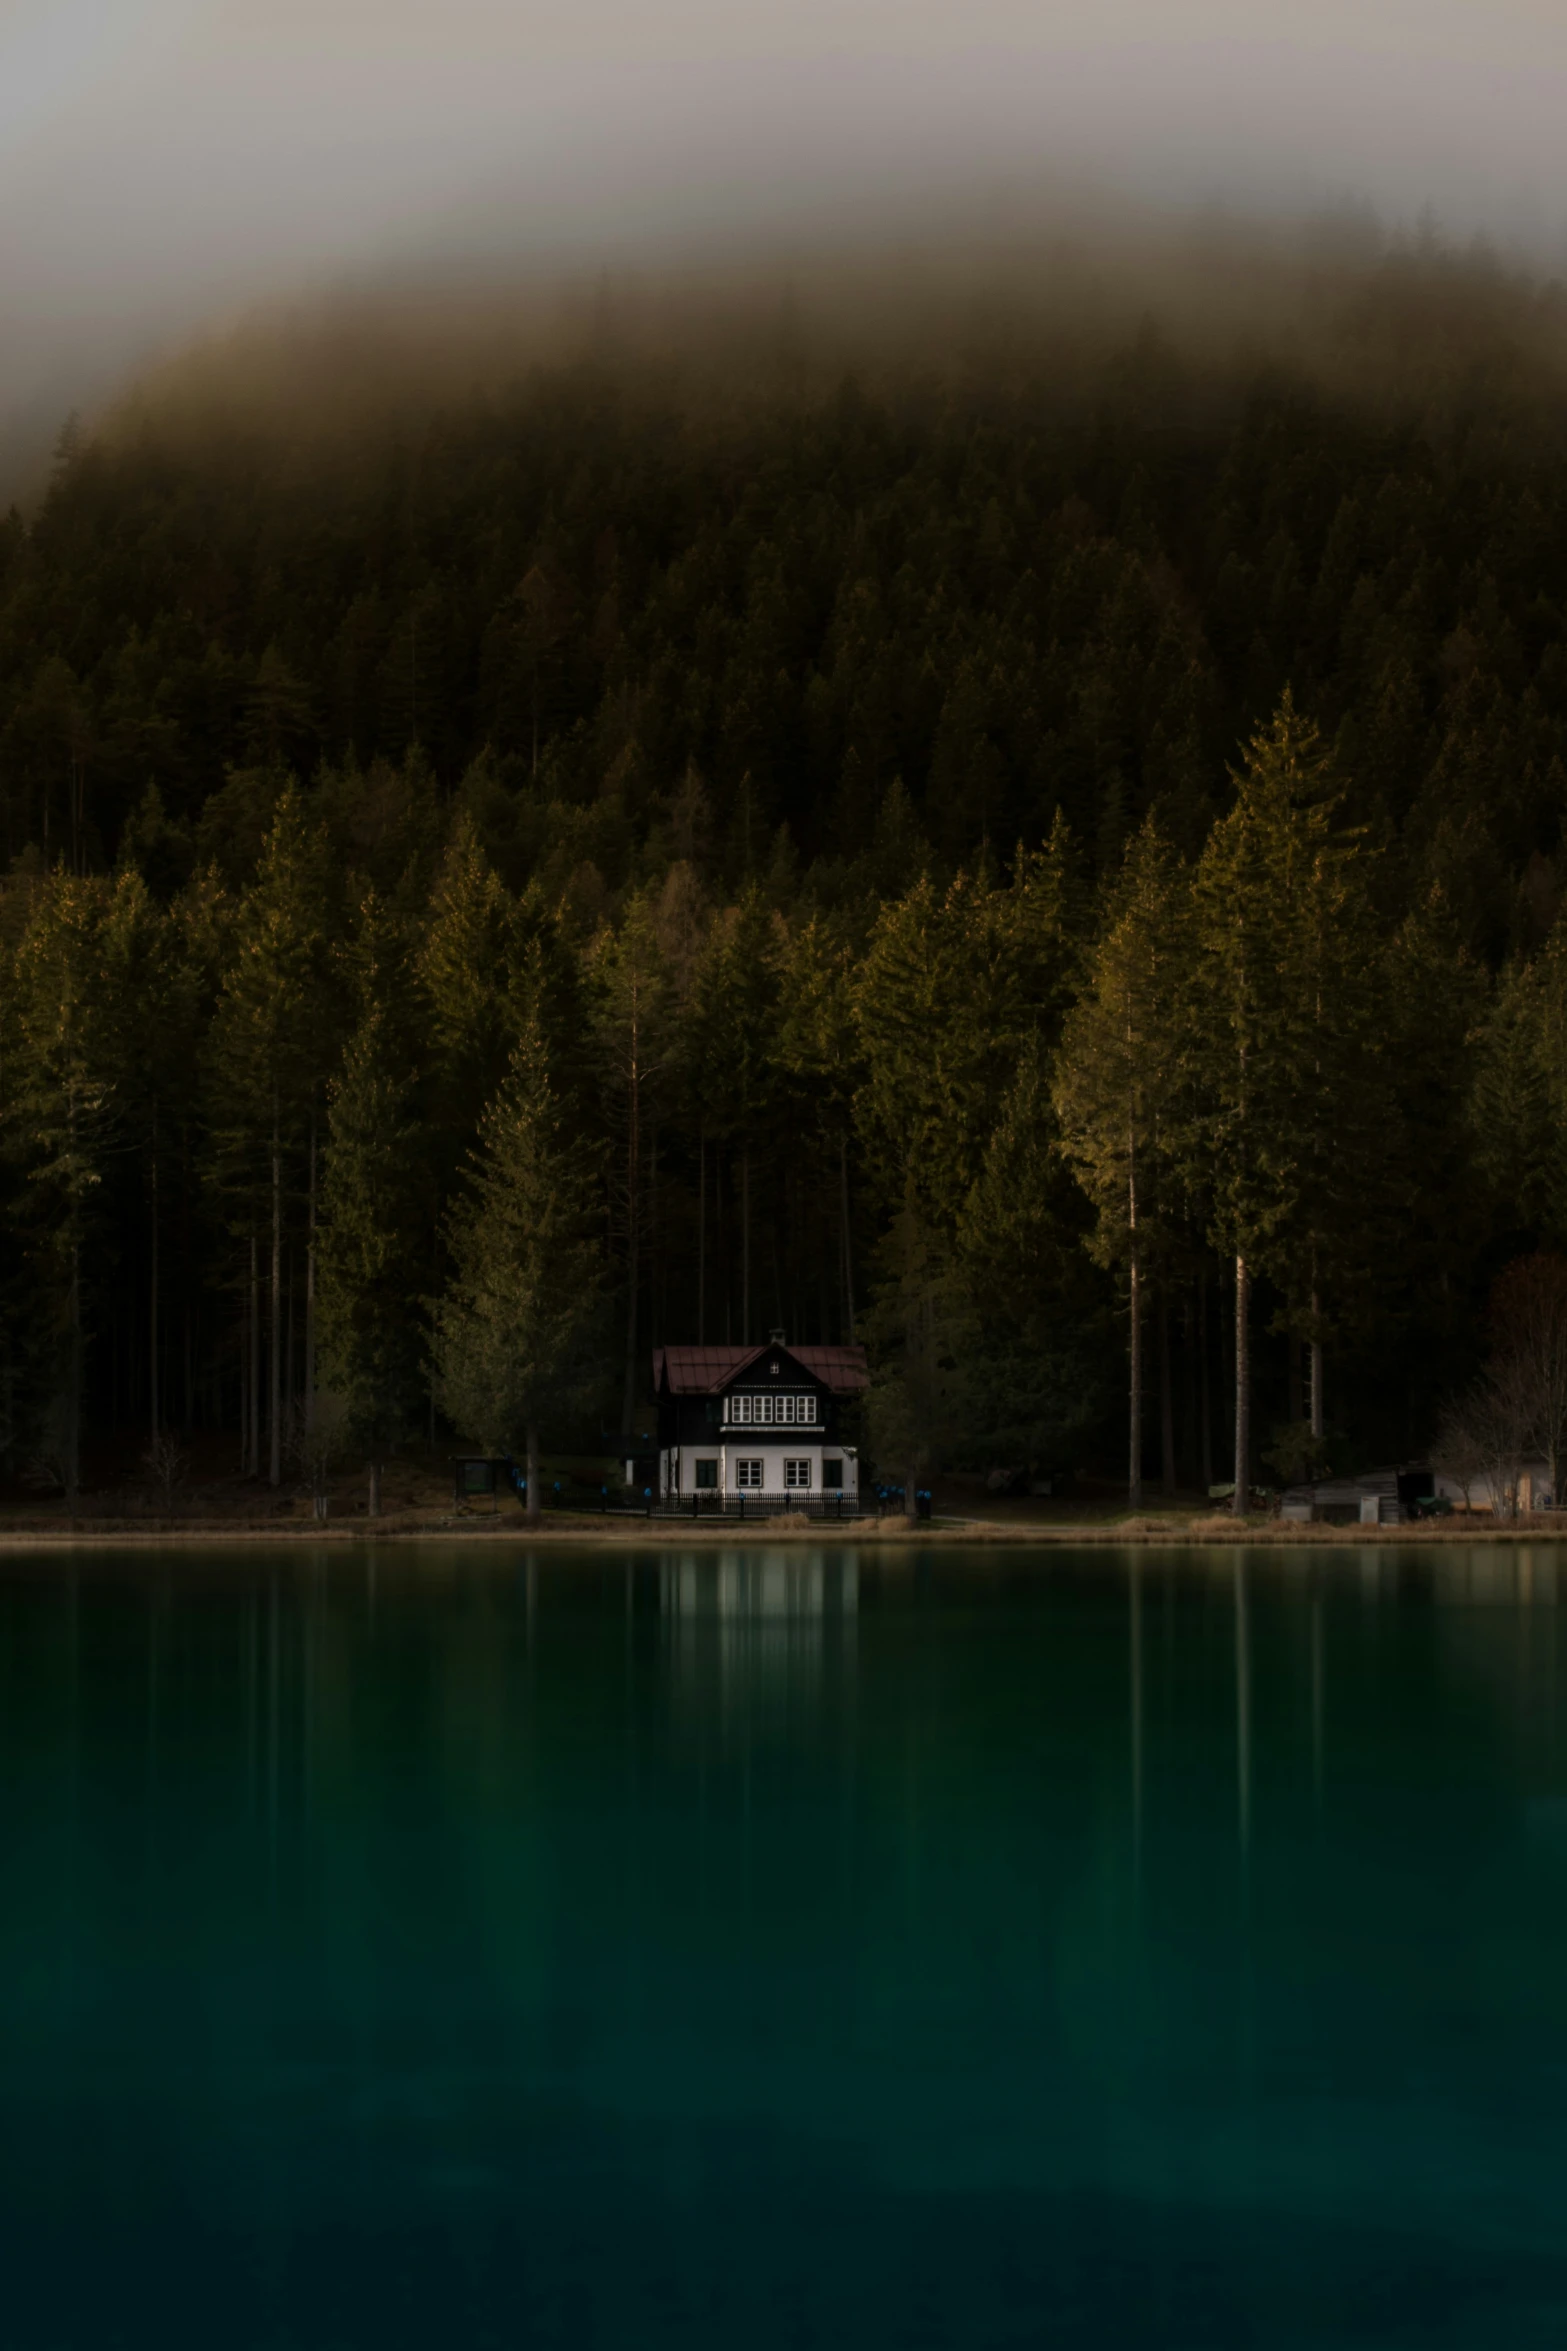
<point>802,780</point>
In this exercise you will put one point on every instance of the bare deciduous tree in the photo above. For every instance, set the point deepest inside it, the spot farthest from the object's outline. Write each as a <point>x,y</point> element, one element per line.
<point>1458,1452</point>
<point>1487,1435</point>
<point>1528,1321</point>
<point>166,1465</point>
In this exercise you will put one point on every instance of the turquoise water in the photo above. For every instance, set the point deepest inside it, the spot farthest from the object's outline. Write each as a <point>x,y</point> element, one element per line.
<point>790,1947</point>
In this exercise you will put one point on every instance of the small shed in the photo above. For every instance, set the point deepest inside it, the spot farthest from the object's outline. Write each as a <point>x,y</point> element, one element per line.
<point>480,1477</point>
<point>1377,1497</point>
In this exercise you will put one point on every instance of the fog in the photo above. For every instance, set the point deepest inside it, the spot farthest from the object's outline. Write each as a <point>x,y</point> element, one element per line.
<point>163,162</point>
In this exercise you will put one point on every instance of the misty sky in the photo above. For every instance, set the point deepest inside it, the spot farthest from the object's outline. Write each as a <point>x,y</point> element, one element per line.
<point>161,160</point>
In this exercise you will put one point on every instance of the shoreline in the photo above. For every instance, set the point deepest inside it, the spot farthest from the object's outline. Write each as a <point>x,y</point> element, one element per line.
<point>596,1533</point>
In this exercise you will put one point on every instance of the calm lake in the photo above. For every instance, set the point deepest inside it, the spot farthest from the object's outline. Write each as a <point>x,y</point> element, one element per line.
<point>456,1946</point>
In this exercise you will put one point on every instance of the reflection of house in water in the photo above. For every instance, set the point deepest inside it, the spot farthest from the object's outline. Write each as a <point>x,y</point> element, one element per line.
<point>773,1619</point>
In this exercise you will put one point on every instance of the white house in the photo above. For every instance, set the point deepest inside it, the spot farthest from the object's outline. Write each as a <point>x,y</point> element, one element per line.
<point>760,1423</point>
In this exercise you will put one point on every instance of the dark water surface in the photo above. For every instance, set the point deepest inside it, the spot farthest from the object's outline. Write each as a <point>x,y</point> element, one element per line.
<point>783,1947</point>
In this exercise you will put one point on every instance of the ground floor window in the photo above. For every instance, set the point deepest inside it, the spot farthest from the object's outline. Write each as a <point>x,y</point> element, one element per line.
<point>797,1473</point>
<point>748,1476</point>
<point>706,1475</point>
<point>832,1475</point>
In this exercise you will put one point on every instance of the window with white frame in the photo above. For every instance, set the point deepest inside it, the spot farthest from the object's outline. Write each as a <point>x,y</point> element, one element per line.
<point>770,1411</point>
<point>796,1475</point>
<point>748,1477</point>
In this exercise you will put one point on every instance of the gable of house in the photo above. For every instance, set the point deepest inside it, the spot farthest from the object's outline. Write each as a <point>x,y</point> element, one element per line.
<point>720,1371</point>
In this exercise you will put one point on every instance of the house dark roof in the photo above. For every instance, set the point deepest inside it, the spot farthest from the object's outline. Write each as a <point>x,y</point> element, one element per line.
<point>707,1371</point>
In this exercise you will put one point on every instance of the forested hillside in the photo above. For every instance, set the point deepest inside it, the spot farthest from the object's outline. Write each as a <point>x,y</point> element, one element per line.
<point>791,860</point>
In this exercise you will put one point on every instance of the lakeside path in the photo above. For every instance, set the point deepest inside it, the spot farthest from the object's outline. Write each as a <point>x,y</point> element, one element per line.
<point>594,1532</point>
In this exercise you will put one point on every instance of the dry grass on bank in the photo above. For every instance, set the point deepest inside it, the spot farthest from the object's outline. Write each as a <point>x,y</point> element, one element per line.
<point>567,1531</point>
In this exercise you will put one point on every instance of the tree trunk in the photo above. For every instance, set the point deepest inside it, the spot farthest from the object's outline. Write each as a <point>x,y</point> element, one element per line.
<point>73,1429</point>
<point>310,1289</point>
<point>1206,1381</point>
<point>1134,1455</point>
<point>1134,1458</point>
<point>152,1289</point>
<point>531,1457</point>
<point>253,1464</point>
<point>373,1501</point>
<point>1314,1391</point>
<point>633,1232</point>
<point>781,1320</point>
<point>745,1246</point>
<point>655,1320</point>
<point>1166,1398</point>
<point>848,1250</point>
<point>1242,1388</point>
<point>275,1432</point>
<point>701,1239</point>
<point>629,1385</point>
<point>1227,1341</point>
<point>185,1282</point>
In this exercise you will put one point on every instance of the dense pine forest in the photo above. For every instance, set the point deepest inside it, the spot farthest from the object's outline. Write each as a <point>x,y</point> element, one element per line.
<point>1007,866</point>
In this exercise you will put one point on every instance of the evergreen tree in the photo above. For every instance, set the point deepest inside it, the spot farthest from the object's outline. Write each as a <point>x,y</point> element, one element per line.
<point>1118,1085</point>
<point>948,992</point>
<point>508,1333</point>
<point>732,1053</point>
<point>60,1110</point>
<point>630,1006</point>
<point>1282,1035</point>
<point>818,1045</point>
<point>1036,1383</point>
<point>375,1203</point>
<point>920,1330</point>
<point>272,1046</point>
<point>149,1041</point>
<point>466,961</point>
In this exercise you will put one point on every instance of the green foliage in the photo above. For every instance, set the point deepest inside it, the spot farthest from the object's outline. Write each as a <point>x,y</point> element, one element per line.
<point>950,990</point>
<point>274,1026</point>
<point>921,1333</point>
<point>1287,1022</point>
<point>1120,1078</point>
<point>830,797</point>
<point>376,1199</point>
<point>1038,1359</point>
<point>509,1334</point>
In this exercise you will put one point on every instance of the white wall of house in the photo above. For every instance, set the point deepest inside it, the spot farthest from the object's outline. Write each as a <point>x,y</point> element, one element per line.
<point>737,1455</point>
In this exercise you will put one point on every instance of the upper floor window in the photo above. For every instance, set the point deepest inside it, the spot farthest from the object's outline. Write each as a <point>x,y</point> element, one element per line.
<point>770,1411</point>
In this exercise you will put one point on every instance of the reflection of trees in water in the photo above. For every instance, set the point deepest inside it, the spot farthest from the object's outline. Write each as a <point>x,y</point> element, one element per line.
<point>1515,1575</point>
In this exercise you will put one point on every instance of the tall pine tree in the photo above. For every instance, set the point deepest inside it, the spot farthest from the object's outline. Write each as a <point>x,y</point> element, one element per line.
<point>509,1333</point>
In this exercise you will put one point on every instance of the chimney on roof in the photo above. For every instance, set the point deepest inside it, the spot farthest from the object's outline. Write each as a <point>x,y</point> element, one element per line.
<point>775,1338</point>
